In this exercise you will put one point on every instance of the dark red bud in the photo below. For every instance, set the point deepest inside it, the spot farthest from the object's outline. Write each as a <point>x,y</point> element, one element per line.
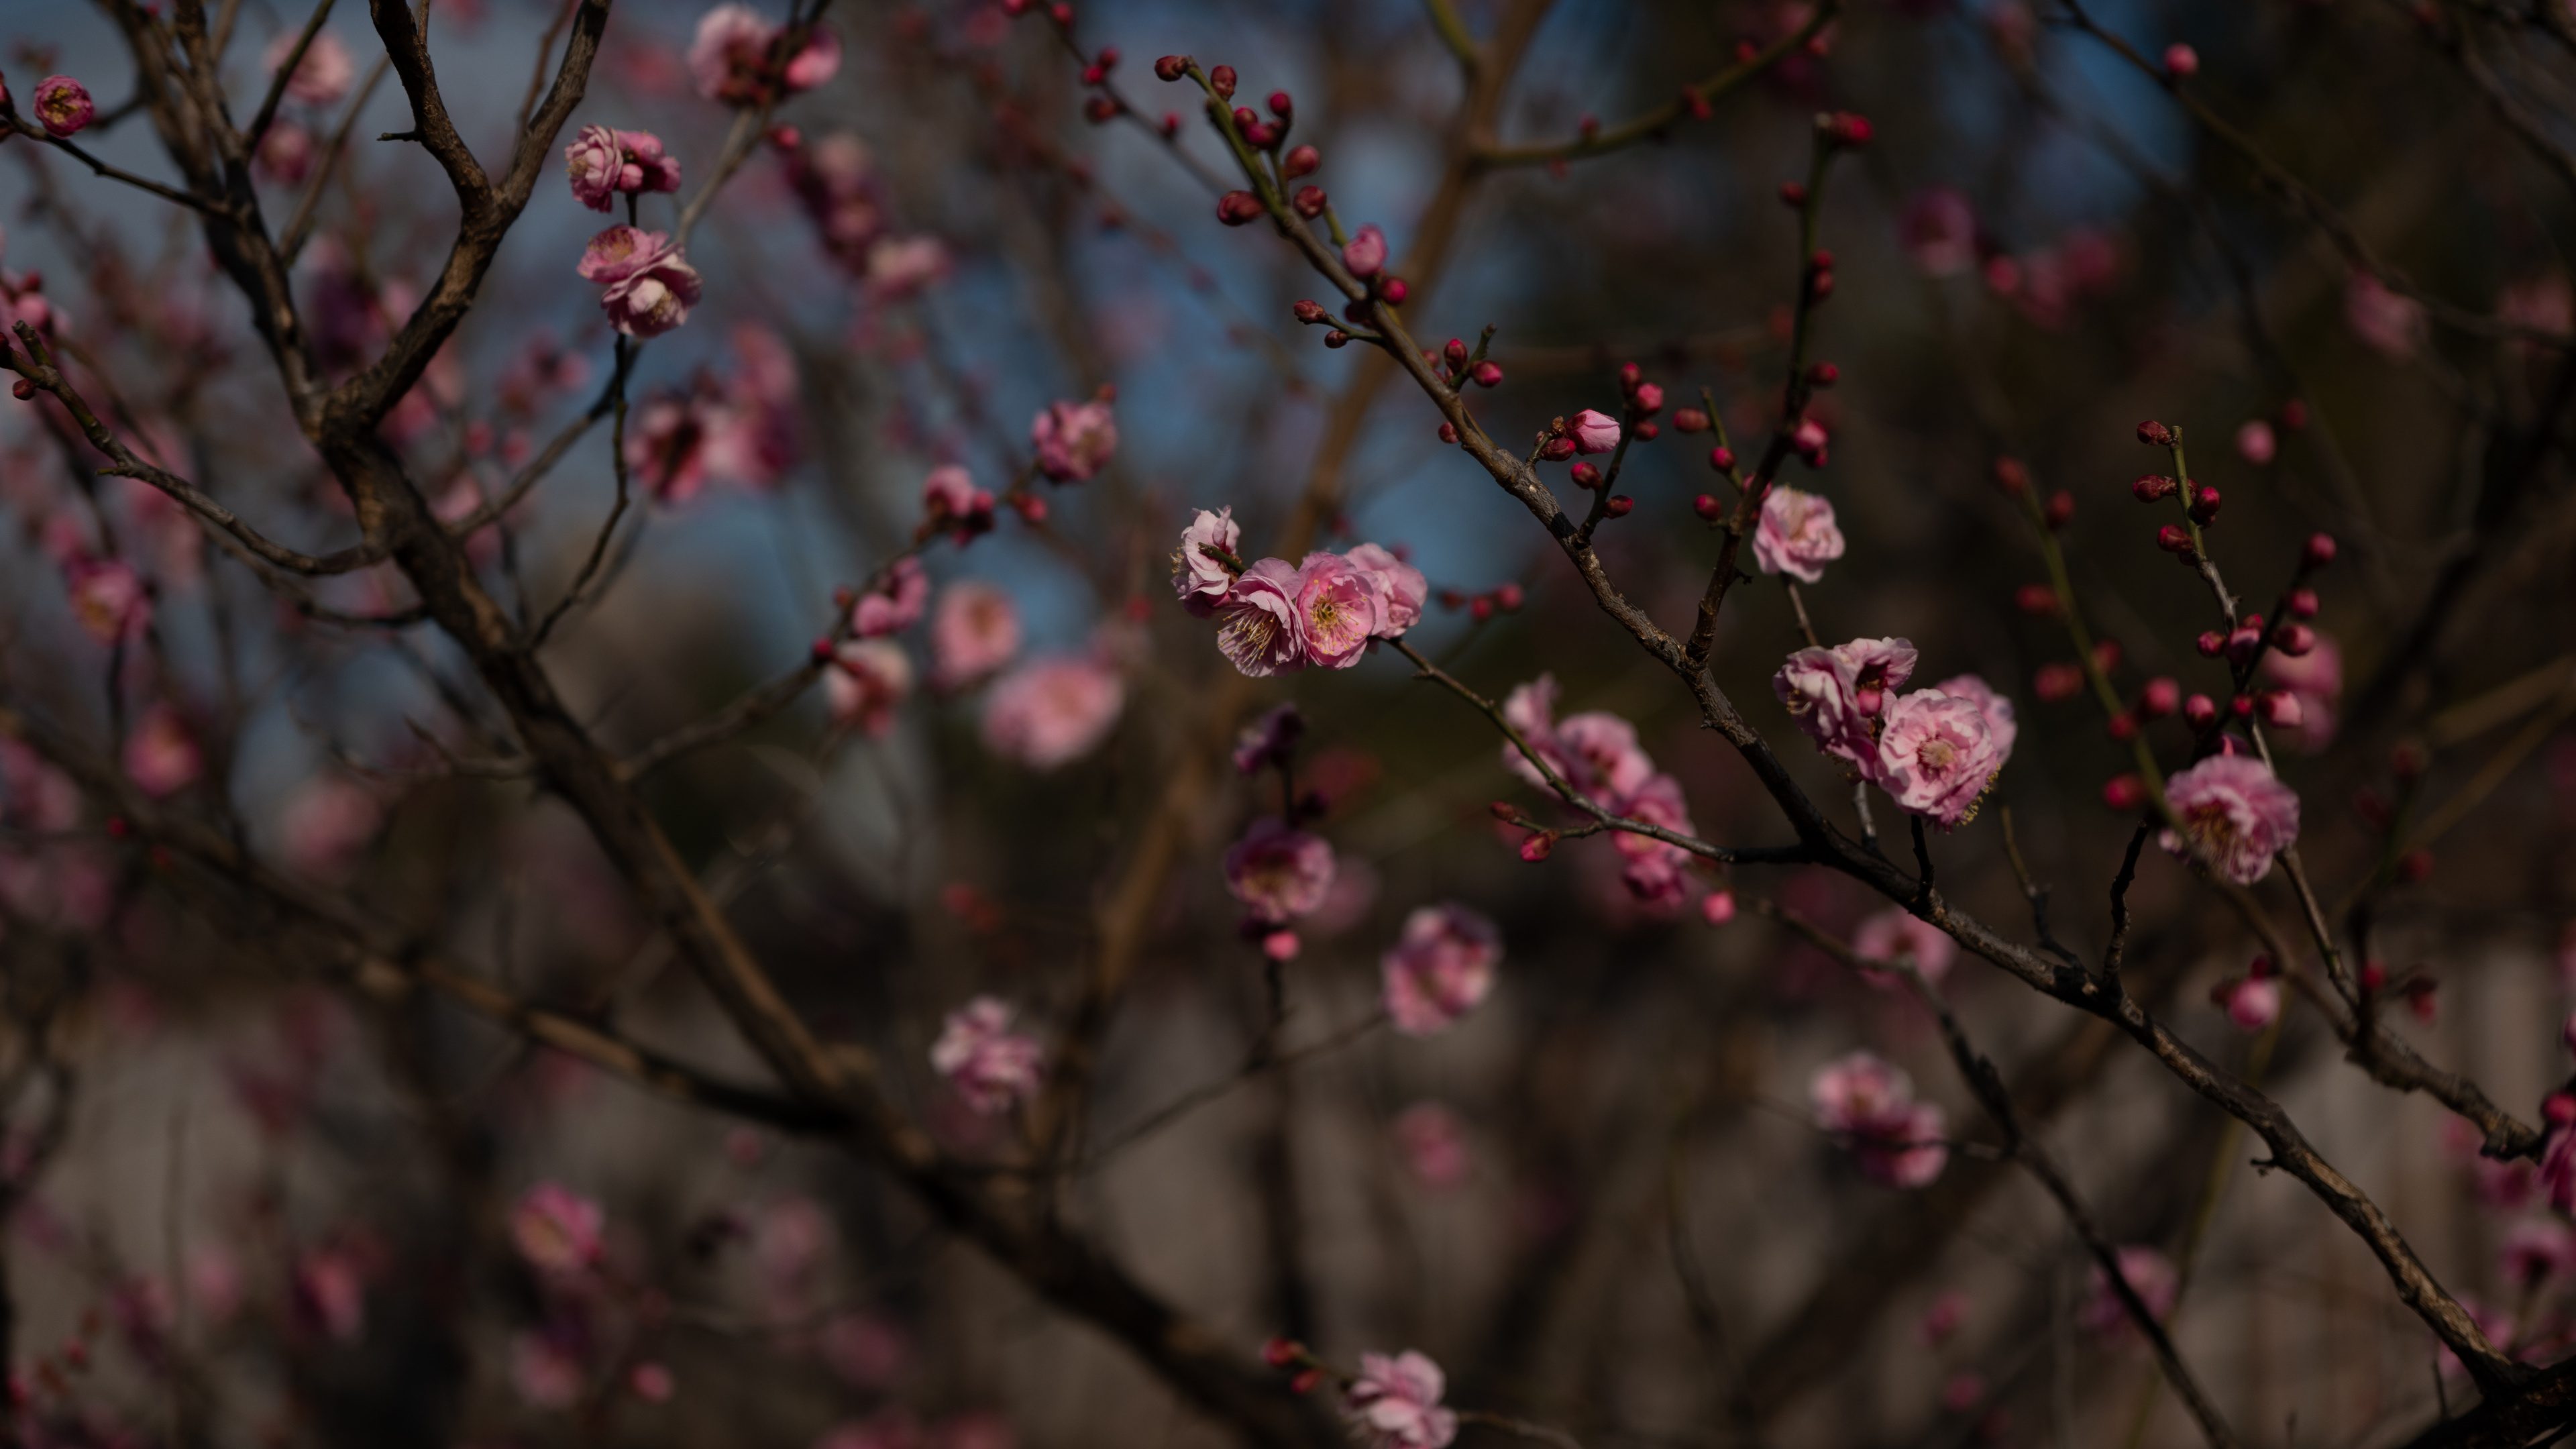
<point>1619,505</point>
<point>2211,643</point>
<point>2303,603</point>
<point>1824,374</point>
<point>22,389</point>
<point>1448,432</point>
<point>1648,431</point>
<point>1557,450</point>
<point>1696,105</point>
<point>1536,845</point>
<point>2106,655</point>
<point>1337,338</point>
<point>2374,976</point>
<point>2200,712</point>
<point>1281,1352</point>
<point>2125,792</point>
<point>2154,434</point>
<point>1509,597</point>
<point>1629,376</point>
<point>1722,458</point>
<point>2122,727</point>
<point>1456,353</point>
<point>1707,507</point>
<point>2061,509</point>
<point>1100,110</point>
<point>1586,476</point>
<point>2161,697</point>
<point>2294,639</point>
<point>1792,194</point>
<point>2173,538</point>
<point>1299,161</point>
<point>1848,129</point>
<point>2415,866</point>
<point>2204,506</point>
<point>1309,202</point>
<point>2409,760</point>
<point>1481,607</point>
<point>1245,118</point>
<point>1237,208</point>
<point>2321,550</point>
<point>1310,312</point>
<point>1306,1381</point>
<point>2152,488</point>
<point>1487,374</point>
<point>1281,105</point>
<point>2294,415</point>
<point>1823,285</point>
<point>2012,475</point>
<point>1221,80</point>
<point>1394,291</point>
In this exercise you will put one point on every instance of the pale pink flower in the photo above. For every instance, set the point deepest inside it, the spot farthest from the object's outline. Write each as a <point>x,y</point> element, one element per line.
<point>322,77</point>
<point>2001,727</point>
<point>895,603</point>
<point>975,631</point>
<point>2256,443</point>
<point>900,267</point>
<point>1434,1143</point>
<point>1796,535</point>
<point>1074,440</point>
<point>1339,608</point>
<point>2536,1249</point>
<point>331,1294</point>
<point>557,1230</point>
<point>1656,871</point>
<point>1869,1105</point>
<point>545,1369</point>
<point>2148,1274</point>
<point>161,756</point>
<point>1440,968</point>
<point>604,162</point>
<point>326,824</point>
<point>108,600</point>
<point>867,681</point>
<point>619,252</point>
<point>1835,694</point>
<point>1395,1402</point>
<point>990,1065</point>
<point>63,106</point>
<point>1896,932</point>
<point>1595,751</point>
<point>1257,624</point>
<point>1401,588</point>
<point>2388,324</point>
<point>815,62</point>
<point>1939,231</point>
<point>2253,1003</point>
<point>2237,814</point>
<point>1049,711</point>
<point>654,299</point>
<point>1365,252</point>
<point>1936,757</point>
<point>2315,681</point>
<point>1595,432</point>
<point>1278,871</point>
<point>1204,583</point>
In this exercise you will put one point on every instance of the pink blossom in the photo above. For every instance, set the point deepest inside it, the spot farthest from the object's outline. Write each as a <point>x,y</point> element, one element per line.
<point>1434,1143</point>
<point>2388,324</point>
<point>1365,252</point>
<point>816,61</point>
<point>666,447</point>
<point>834,178</point>
<point>974,632</point>
<point>749,423</point>
<point>1270,740</point>
<point>1796,535</point>
<point>655,298</point>
<point>1395,1402</point>
<point>1595,752</point>
<point>1895,932</point>
<point>2537,1249</point>
<point>1717,907</point>
<point>1656,870</point>
<point>1942,1319</point>
<point>1939,231</point>
<point>1936,758</point>
<point>2255,442</point>
<point>2315,681</point>
<point>322,77</point>
<point>868,680</point>
<point>1049,711</point>
<point>1869,1105</point>
<point>896,601</point>
<point>556,1229</point>
<point>1400,586</point>
<point>604,163</point>
<point>326,824</point>
<point>990,1065</point>
<point>1835,694</point>
<point>161,755</point>
<point>285,154</point>
<point>546,1370</point>
<point>950,499</point>
<point>108,599</point>
<point>2237,815</point>
<point>2252,1003</point>
<point>63,106</point>
<point>1257,625</point>
<point>651,1382</point>
<point>729,57</point>
<point>900,267</point>
<point>1440,968</point>
<point>330,1294</point>
<point>2001,727</point>
<point>1074,440</point>
<point>2557,1176</point>
<point>1278,871</point>
<point>1595,432</point>
<point>1339,608</point>
<point>1202,582</point>
<point>2148,1274</point>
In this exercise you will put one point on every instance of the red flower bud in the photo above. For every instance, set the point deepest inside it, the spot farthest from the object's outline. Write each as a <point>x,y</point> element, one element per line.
<point>2061,509</point>
<point>2200,712</point>
<point>1487,374</point>
<point>2161,697</point>
<point>1821,260</point>
<point>2181,61</point>
<point>2294,639</point>
<point>1505,811</point>
<point>1689,420</point>
<point>2409,760</point>
<point>1585,475</point>
<point>2122,727</point>
<point>1630,375</point>
<point>1299,161</point>
<point>1236,208</point>
<point>1792,194</point>
<point>22,389</point>
<point>2419,998</point>
<point>2211,643</point>
<point>2261,969</point>
<point>1509,598</point>
<point>1305,1382</point>
<point>1337,338</point>
<point>2154,434</point>
<point>2012,475</point>
<point>2152,488</point>
<point>2242,706</point>
<point>2294,415</point>
<point>821,649</point>
<point>1309,202</point>
<point>1722,458</point>
<point>1824,374</point>
<point>1536,845</point>
<point>2321,550</point>
<point>2281,709</point>
<point>1557,450</point>
<point>1171,67</point>
<point>2125,793</point>
<point>1823,286</point>
<point>1281,1352</point>
<point>1394,291</point>
<point>1455,352</point>
<point>2057,682</point>
<point>1281,105</point>
<point>1448,433</point>
<point>1100,110</point>
<point>1221,80</point>
<point>2173,538</point>
<point>1031,507</point>
<point>2204,506</point>
<point>1847,129</point>
<point>1695,105</point>
<point>1481,607</point>
<point>2037,599</point>
<point>1310,312</point>
<point>2374,976</point>
<point>1619,505</point>
<point>1707,507</point>
<point>1648,431</point>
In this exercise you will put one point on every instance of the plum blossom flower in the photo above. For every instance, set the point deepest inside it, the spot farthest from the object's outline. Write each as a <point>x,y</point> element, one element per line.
<point>1402,590</point>
<point>1895,932</point>
<point>868,680</point>
<point>651,286</point>
<point>1074,440</point>
<point>1936,757</point>
<point>950,500</point>
<point>326,824</point>
<point>2236,813</point>
<point>285,154</point>
<point>1440,968</point>
<point>1395,1402</point>
<point>1869,1104</point>
<point>975,631</point>
<point>1797,535</point>
<point>1656,870</point>
<point>900,267</point>
<point>63,106</point>
<point>2001,727</point>
<point>108,599</point>
<point>604,162</point>
<point>322,77</point>
<point>2315,681</point>
<point>2252,1002</point>
<point>1836,694</point>
<point>1365,252</point>
<point>556,1229</point>
<point>2386,323</point>
<point>666,447</point>
<point>729,59</point>
<point>895,603</point>
<point>1434,1143</point>
<point>990,1065</point>
<point>1595,432</point>
<point>1278,871</point>
<point>1257,626</point>
<point>1204,583</point>
<point>1939,231</point>
<point>331,1293</point>
<point>1049,711</point>
<point>834,177</point>
<point>1339,608</point>
<point>1595,752</point>
<point>161,756</point>
<point>2148,1274</point>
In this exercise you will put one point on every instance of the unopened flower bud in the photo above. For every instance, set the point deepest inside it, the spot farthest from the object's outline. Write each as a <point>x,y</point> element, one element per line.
<point>1848,129</point>
<point>1722,458</point>
<point>2161,697</point>
<point>1236,208</point>
<point>2204,506</point>
<point>2125,793</point>
<point>1696,105</point>
<point>1455,353</point>
<point>1299,161</point>
<point>1305,1382</point>
<point>2320,550</point>
<point>2242,706</point>
<point>1689,420</point>
<point>2294,415</point>
<point>2262,968</point>
<point>2154,434</point>
<point>1505,811</point>
<point>2415,866</point>
<point>2060,510</point>
<point>1310,312</point>
<point>1649,399</point>
<point>1585,475</point>
<point>1030,507</point>
<point>2123,728</point>
<point>1221,81</point>
<point>1394,291</point>
<point>1536,845</point>
<point>1820,260</point>
<point>1707,507</point>
<point>2419,998</point>
<point>2012,475</point>
<point>1824,374</point>
<point>2374,976</point>
<point>1648,431</point>
<point>1309,202</point>
<point>2211,643</point>
<point>1717,907</point>
<point>2152,488</point>
<point>1281,1352</point>
<point>2037,599</point>
<point>1823,285</point>
<point>1337,338</point>
<point>2181,61</point>
<point>1281,105</point>
<point>821,649</point>
<point>22,389</point>
<point>1365,252</point>
<point>2173,538</point>
<point>1557,450</point>
<point>1487,374</point>
<point>1618,505</point>
<point>1171,67</point>
<point>1868,699</point>
<point>2303,603</point>
<point>2056,683</point>
<point>1792,194</point>
<point>1630,376</point>
<point>1448,433</point>
<point>2294,639</point>
<point>2280,709</point>
<point>1508,598</point>
<point>2200,712</point>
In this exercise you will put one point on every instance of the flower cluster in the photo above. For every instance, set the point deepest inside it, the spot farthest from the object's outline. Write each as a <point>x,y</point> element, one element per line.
<point>735,57</point>
<point>1596,752</point>
<point>741,429</point>
<point>1440,968</point>
<point>1275,617</point>
<point>1869,1105</point>
<point>1935,751</point>
<point>1074,441</point>
<point>990,1065</point>
<point>605,163</point>
<point>651,286</point>
<point>557,1230</point>
<point>1279,872</point>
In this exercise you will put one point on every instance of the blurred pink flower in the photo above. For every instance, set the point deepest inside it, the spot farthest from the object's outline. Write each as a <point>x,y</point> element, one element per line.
<point>1595,751</point>
<point>975,631</point>
<point>1834,694</point>
<point>1895,932</point>
<point>1050,711</point>
<point>2536,1249</point>
<point>1656,871</point>
<point>2252,1003</point>
<point>214,1285</point>
<point>895,603</point>
<point>2388,324</point>
<point>326,823</point>
<point>834,178</point>
<point>1595,432</point>
<point>2256,443</point>
<point>651,1382</point>
<point>1401,589</point>
<point>1394,1403</point>
<point>868,680</point>
<point>108,599</point>
<point>666,446</point>
<point>1074,440</point>
<point>654,299</point>
<point>63,106</point>
<point>1942,1319</point>
<point>1280,873</point>
<point>2315,680</point>
<point>1434,1143</point>
<point>161,755</point>
<point>864,1350</point>
<point>1204,583</point>
<point>815,62</point>
<point>900,267</point>
<point>1796,535</point>
<point>1257,625</point>
<point>2148,1274</point>
<point>1939,231</point>
<point>750,421</point>
<point>1936,758</point>
<point>1268,740</point>
<point>1365,252</point>
<point>285,154</point>
<point>557,1230</point>
<point>990,1065</point>
<point>1440,968</point>
<point>2557,1176</point>
<point>545,1369</point>
<point>619,252</point>
<point>331,1294</point>
<point>2236,812</point>
<point>1869,1105</point>
<point>604,163</point>
<point>950,500</point>
<point>322,77</point>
